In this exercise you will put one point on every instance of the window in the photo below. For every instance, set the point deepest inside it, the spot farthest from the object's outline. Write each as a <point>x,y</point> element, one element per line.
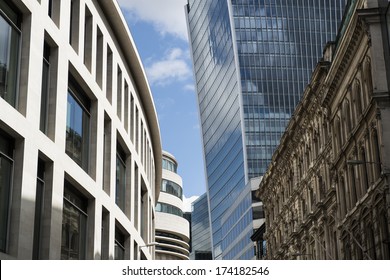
<point>171,188</point>
<point>353,186</point>
<point>126,92</point>
<point>136,129</point>
<point>9,53</point>
<point>77,126</point>
<point>119,94</point>
<point>38,219</point>
<point>132,118</point>
<point>120,194</point>
<point>53,11</point>
<point>105,240</point>
<point>74,24</point>
<point>136,195</point>
<point>45,88</point>
<point>88,39</point>
<point>99,57</point>
<point>346,247</point>
<point>170,209</point>
<point>74,225</point>
<point>109,75</point>
<point>169,165</point>
<point>6,170</point>
<point>119,245</point>
<point>107,154</point>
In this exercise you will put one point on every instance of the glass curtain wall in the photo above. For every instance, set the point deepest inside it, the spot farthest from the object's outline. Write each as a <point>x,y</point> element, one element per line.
<point>218,99</point>
<point>252,60</point>
<point>279,44</point>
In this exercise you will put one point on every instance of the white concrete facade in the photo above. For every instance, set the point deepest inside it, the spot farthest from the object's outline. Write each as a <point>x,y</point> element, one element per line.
<point>91,47</point>
<point>172,230</point>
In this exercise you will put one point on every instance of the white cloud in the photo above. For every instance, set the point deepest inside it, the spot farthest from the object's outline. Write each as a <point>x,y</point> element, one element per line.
<point>189,87</point>
<point>187,203</point>
<point>167,16</point>
<point>172,67</point>
<point>165,103</point>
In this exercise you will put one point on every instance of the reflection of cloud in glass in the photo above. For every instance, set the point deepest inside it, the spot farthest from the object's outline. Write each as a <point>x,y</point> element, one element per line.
<point>219,36</point>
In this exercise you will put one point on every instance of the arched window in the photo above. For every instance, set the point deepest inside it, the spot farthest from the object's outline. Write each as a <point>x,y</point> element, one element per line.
<point>346,246</point>
<point>353,186</point>
<point>364,171</point>
<point>337,135</point>
<point>347,119</point>
<point>367,81</point>
<point>370,240</point>
<point>376,155</point>
<point>343,199</point>
<point>357,99</point>
<point>384,238</point>
<point>358,252</point>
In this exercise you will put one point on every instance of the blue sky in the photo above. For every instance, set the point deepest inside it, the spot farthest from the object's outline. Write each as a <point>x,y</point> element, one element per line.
<point>159,30</point>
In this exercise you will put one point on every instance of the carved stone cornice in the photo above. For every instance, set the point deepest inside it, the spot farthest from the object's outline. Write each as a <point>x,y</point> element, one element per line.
<point>344,56</point>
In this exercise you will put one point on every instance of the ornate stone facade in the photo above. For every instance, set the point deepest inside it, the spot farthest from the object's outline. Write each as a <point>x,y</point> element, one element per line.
<point>326,192</point>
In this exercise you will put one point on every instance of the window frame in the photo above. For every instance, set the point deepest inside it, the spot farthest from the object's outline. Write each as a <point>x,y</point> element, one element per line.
<point>69,190</point>
<point>121,159</point>
<point>14,23</point>
<point>82,100</point>
<point>7,215</point>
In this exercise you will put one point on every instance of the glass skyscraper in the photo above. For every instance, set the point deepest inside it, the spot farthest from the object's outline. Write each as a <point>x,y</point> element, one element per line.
<point>200,230</point>
<point>252,60</point>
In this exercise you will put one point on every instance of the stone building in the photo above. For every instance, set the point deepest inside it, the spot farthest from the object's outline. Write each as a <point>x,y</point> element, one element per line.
<point>326,192</point>
<point>80,147</point>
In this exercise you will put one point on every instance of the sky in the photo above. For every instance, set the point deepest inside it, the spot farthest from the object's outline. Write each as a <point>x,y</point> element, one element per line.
<point>159,31</point>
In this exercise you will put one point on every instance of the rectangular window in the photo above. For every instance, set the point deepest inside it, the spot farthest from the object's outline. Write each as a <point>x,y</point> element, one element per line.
<point>136,196</point>
<point>107,154</point>
<point>99,57</point>
<point>45,88</point>
<point>132,118</point>
<point>78,126</point>
<point>126,107</point>
<point>136,130</point>
<point>54,11</point>
<point>135,251</point>
<point>119,94</point>
<point>120,193</point>
<point>74,24</point>
<point>88,39</point>
<point>6,172</point>
<point>119,245</point>
<point>105,234</point>
<point>144,220</point>
<point>38,219</point>
<point>74,224</point>
<point>142,143</point>
<point>9,53</point>
<point>48,105</point>
<point>109,75</point>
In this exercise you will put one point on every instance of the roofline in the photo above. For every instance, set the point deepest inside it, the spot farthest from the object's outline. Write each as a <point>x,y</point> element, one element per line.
<point>169,156</point>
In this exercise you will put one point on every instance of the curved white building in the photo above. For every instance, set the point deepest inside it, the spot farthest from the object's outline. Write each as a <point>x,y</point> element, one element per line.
<point>172,230</point>
<point>80,149</point>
